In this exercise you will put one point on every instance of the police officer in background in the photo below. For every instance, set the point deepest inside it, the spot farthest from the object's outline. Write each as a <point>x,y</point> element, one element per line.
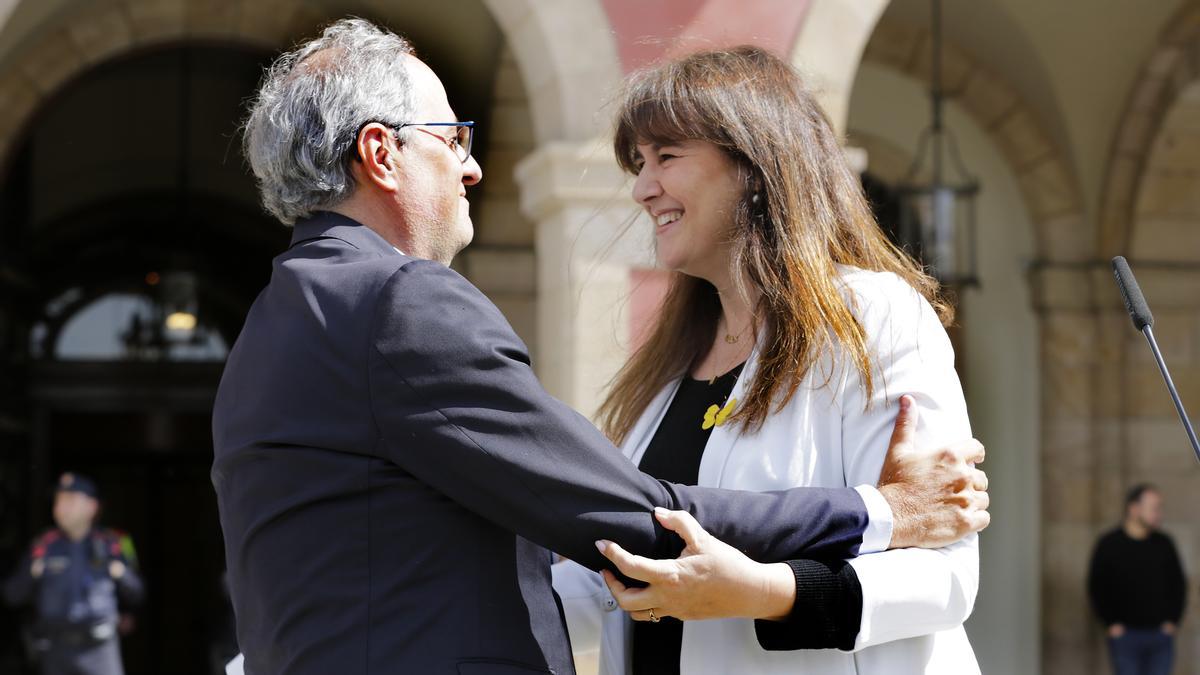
<point>76,577</point>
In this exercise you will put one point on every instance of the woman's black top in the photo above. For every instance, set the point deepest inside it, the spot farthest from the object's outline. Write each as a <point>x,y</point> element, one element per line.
<point>674,455</point>
<point>828,605</point>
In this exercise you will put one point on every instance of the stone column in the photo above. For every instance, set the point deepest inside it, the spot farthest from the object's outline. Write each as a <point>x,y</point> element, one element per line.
<point>829,50</point>
<point>586,244</point>
<point>1074,371</point>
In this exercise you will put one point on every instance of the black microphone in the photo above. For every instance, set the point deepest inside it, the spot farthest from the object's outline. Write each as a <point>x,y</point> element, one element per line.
<point>1135,302</point>
<point>1143,320</point>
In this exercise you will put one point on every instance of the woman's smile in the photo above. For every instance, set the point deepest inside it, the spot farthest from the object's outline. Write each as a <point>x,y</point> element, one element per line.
<point>664,221</point>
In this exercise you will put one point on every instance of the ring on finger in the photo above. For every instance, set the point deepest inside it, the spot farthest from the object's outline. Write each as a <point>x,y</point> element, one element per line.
<point>654,617</point>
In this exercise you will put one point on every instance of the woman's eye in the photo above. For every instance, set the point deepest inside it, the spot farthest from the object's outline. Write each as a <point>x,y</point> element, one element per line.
<point>662,157</point>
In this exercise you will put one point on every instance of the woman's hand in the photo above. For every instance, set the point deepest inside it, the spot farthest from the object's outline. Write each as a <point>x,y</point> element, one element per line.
<point>709,580</point>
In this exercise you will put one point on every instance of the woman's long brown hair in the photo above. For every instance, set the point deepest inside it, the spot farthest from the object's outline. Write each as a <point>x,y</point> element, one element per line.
<point>811,215</point>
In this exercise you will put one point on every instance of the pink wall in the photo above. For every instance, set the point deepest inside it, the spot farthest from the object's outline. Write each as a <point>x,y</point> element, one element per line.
<point>647,30</point>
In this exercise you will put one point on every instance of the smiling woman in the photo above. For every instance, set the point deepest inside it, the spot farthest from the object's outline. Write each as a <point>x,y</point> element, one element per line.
<point>790,330</point>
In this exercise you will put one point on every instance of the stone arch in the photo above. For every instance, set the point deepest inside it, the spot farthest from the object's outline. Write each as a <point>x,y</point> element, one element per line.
<point>832,33</point>
<point>564,51</point>
<point>1047,179</point>
<point>1164,218</point>
<point>565,62</point>
<point>885,160</point>
<point>568,61</point>
<point>63,50</point>
<point>1164,77</point>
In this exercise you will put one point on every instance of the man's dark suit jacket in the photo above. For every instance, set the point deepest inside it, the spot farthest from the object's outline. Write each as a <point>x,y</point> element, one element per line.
<point>388,471</point>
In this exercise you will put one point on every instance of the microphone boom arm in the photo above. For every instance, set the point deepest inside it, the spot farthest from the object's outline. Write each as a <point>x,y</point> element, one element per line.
<point>1162,368</point>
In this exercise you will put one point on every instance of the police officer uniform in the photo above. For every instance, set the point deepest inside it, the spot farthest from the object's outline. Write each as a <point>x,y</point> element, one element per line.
<point>76,588</point>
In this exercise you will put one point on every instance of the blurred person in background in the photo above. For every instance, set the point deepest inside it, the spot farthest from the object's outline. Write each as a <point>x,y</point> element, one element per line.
<point>1137,587</point>
<point>77,578</point>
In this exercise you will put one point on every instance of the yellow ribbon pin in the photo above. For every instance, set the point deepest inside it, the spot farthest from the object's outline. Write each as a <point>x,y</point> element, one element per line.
<point>717,416</point>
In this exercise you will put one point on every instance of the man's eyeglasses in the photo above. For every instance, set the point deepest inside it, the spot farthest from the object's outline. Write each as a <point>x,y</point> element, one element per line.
<point>460,142</point>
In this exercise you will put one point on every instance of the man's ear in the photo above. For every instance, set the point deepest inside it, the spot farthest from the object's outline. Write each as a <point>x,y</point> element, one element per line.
<point>377,150</point>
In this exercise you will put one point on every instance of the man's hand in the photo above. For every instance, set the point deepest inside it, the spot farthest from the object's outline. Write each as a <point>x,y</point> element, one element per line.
<point>1168,628</point>
<point>37,568</point>
<point>116,569</point>
<point>1116,630</point>
<point>937,497</point>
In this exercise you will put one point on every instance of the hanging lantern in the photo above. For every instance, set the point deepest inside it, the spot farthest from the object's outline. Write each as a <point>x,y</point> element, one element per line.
<point>937,207</point>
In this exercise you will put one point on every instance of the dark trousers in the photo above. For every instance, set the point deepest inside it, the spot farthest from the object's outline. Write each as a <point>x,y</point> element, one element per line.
<point>1142,651</point>
<point>99,659</point>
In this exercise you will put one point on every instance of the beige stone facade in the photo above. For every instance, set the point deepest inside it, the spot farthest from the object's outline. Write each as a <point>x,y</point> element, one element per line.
<point>1081,119</point>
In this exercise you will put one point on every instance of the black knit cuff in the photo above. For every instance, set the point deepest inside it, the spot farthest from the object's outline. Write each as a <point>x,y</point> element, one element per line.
<point>827,612</point>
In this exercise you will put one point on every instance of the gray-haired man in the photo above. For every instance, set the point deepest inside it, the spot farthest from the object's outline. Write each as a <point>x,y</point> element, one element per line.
<point>387,467</point>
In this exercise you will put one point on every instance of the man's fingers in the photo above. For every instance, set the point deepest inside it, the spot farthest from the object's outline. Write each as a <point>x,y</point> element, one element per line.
<point>971,451</point>
<point>632,566</point>
<point>982,501</point>
<point>979,480</point>
<point>905,431</point>
<point>980,520</point>
<point>683,524</point>
<point>979,453</point>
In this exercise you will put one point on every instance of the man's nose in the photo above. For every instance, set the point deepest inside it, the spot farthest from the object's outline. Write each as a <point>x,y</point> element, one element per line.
<point>472,174</point>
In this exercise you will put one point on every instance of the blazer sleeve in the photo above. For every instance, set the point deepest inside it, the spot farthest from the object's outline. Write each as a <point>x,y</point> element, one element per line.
<point>905,592</point>
<point>457,405</point>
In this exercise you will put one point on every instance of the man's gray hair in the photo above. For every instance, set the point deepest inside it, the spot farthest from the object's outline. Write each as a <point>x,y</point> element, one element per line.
<point>302,128</point>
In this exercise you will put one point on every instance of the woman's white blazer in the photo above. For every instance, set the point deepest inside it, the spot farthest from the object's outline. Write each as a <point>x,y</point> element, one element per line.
<point>829,435</point>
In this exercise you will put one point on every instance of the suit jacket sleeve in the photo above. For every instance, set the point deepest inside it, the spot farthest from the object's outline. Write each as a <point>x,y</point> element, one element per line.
<point>906,592</point>
<point>457,405</point>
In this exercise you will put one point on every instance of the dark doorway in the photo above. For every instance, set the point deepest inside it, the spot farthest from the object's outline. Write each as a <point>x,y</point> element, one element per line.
<point>124,278</point>
<point>142,432</point>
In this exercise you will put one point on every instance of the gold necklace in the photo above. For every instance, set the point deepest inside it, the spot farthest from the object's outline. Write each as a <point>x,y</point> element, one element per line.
<point>718,372</point>
<point>731,339</point>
